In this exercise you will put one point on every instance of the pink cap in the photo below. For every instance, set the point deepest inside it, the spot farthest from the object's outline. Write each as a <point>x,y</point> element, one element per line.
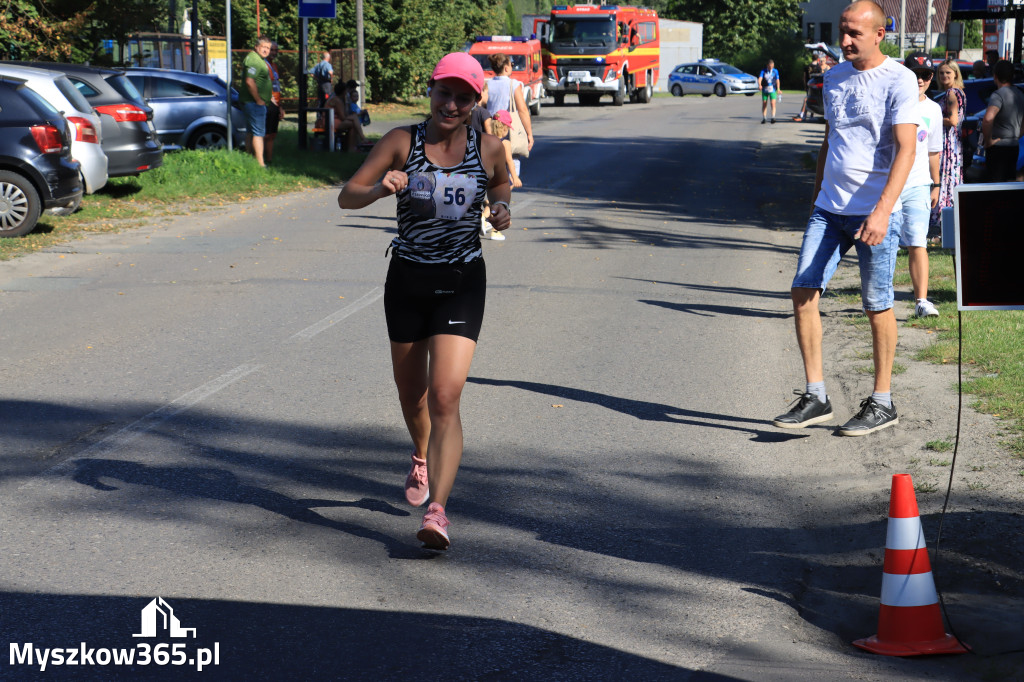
<point>504,117</point>
<point>460,65</point>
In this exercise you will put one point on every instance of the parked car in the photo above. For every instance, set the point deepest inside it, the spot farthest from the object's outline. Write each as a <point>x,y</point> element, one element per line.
<point>86,146</point>
<point>128,137</point>
<point>815,102</point>
<point>710,76</point>
<point>189,109</point>
<point>36,168</point>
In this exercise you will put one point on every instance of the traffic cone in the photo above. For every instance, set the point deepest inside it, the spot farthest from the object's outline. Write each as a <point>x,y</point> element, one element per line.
<point>909,619</point>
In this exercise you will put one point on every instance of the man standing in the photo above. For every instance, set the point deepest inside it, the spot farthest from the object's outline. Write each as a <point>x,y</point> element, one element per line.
<point>870,104</point>
<point>768,84</point>
<point>921,193</point>
<point>1001,126</point>
<point>275,108</point>
<point>255,95</point>
<point>323,74</point>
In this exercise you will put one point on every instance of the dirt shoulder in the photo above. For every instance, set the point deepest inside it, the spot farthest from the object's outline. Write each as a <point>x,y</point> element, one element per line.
<point>980,567</point>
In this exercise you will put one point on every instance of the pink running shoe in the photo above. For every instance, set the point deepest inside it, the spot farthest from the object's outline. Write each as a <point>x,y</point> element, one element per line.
<point>416,489</point>
<point>434,531</point>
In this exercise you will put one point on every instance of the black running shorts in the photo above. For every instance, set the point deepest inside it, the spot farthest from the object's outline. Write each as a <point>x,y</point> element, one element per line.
<point>423,300</point>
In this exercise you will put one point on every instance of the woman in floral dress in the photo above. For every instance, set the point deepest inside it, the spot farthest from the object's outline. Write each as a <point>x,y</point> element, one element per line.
<point>951,167</point>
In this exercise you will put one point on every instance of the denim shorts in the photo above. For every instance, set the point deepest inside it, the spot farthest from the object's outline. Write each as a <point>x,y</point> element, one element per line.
<point>829,236</point>
<point>917,211</point>
<point>256,119</point>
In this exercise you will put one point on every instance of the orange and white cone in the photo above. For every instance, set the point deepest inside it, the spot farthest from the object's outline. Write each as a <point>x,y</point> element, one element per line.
<point>909,619</point>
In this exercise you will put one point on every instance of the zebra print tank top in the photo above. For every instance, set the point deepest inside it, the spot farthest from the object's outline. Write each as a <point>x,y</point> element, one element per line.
<point>439,211</point>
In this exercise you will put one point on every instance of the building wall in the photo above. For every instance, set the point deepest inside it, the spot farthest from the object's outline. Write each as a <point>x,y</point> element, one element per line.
<point>681,42</point>
<point>826,12</point>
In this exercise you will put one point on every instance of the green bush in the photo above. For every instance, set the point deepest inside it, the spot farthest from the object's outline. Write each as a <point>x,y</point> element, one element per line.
<point>789,54</point>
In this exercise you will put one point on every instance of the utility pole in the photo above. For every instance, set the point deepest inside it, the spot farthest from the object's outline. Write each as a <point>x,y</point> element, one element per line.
<point>195,36</point>
<point>360,54</point>
<point>227,31</point>
<point>928,29</point>
<point>903,28</point>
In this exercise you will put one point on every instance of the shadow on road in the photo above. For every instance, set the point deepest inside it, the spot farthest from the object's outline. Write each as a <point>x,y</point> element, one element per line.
<point>312,643</point>
<point>644,410</point>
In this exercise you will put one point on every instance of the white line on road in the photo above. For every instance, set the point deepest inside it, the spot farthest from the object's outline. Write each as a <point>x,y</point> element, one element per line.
<point>334,318</point>
<point>141,427</point>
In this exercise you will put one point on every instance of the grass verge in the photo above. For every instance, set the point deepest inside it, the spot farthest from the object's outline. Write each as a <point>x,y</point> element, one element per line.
<point>993,346</point>
<point>189,180</point>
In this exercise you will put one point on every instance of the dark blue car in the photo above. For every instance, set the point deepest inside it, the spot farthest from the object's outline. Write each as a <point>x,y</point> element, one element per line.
<point>36,168</point>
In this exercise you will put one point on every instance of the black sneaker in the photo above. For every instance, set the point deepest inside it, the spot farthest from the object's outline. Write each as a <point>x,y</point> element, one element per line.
<point>805,411</point>
<point>872,417</point>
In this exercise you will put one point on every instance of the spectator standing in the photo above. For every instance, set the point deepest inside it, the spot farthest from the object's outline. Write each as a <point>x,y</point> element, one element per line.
<point>480,112</point>
<point>991,59</point>
<point>1001,126</point>
<point>323,74</point>
<point>769,85</point>
<point>503,91</point>
<point>256,93</point>
<point>921,193</point>
<point>477,121</point>
<point>500,126</point>
<point>951,165</point>
<point>275,112</point>
<point>870,106</point>
<point>810,71</point>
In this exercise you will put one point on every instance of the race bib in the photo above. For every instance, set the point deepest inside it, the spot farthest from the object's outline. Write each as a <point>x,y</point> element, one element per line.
<point>442,196</point>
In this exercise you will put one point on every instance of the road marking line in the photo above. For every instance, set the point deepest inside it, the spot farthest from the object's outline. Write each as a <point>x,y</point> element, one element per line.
<point>142,426</point>
<point>334,318</point>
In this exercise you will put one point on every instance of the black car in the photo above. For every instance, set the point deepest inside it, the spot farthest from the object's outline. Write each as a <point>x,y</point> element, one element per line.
<point>815,103</point>
<point>36,168</point>
<point>127,135</point>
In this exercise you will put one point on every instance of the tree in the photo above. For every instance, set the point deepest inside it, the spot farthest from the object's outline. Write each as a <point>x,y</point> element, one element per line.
<point>734,26</point>
<point>30,30</point>
<point>973,38</point>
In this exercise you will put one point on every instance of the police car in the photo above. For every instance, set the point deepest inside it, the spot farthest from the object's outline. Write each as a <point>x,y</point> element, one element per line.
<point>710,77</point>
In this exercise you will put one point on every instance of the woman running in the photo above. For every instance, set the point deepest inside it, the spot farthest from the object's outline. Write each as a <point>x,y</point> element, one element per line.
<point>441,171</point>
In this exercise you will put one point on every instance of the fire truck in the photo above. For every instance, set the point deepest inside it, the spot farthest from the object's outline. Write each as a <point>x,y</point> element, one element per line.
<point>524,53</point>
<point>594,50</point>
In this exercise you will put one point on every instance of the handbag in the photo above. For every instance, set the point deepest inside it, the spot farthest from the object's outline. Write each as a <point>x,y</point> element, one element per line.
<point>517,135</point>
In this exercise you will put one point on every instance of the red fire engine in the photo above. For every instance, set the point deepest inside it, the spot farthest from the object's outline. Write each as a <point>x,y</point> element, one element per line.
<point>524,53</point>
<point>592,50</point>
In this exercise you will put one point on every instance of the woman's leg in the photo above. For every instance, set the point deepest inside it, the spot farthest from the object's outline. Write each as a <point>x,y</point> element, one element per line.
<point>449,362</point>
<point>409,363</point>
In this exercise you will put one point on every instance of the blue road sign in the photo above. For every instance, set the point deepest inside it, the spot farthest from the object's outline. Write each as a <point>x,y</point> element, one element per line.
<point>318,9</point>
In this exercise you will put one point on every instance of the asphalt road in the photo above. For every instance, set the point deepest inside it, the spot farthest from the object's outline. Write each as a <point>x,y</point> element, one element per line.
<point>201,410</point>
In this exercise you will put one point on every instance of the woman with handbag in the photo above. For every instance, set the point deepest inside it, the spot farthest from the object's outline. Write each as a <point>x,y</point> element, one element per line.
<point>441,171</point>
<point>500,125</point>
<point>505,93</point>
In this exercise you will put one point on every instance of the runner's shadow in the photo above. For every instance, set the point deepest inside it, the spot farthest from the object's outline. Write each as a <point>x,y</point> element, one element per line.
<point>646,411</point>
<point>220,484</point>
<point>708,310</point>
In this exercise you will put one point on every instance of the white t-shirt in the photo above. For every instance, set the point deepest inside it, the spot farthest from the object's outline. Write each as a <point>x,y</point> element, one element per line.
<point>861,108</point>
<point>929,140</point>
